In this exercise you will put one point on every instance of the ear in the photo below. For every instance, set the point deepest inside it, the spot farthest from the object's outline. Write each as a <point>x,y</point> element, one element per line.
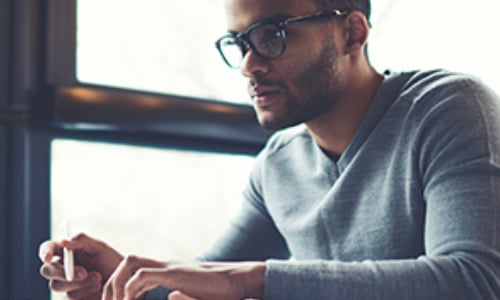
<point>357,30</point>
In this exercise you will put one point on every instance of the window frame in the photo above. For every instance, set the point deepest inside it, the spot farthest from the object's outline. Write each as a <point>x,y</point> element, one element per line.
<point>24,152</point>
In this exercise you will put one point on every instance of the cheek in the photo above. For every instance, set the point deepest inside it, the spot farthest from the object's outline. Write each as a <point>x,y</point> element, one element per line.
<point>303,45</point>
<point>295,64</point>
<point>296,73</point>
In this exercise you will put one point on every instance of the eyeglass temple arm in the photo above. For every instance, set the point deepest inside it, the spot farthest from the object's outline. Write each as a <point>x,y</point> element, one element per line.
<point>325,15</point>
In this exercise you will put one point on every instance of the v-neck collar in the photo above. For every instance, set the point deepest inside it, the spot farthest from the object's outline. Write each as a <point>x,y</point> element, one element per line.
<point>384,97</point>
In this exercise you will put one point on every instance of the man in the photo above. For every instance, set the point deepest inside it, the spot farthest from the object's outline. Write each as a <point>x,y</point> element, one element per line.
<point>390,189</point>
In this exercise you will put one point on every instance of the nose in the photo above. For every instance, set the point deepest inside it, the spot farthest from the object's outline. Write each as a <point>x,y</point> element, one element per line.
<point>253,64</point>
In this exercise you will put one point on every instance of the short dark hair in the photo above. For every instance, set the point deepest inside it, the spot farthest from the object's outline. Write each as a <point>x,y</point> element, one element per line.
<point>347,5</point>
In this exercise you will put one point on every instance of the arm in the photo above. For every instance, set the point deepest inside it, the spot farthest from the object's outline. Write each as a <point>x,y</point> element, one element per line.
<point>199,280</point>
<point>251,236</point>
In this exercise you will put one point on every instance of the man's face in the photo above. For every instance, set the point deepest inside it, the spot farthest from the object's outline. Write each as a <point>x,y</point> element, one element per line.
<point>302,83</point>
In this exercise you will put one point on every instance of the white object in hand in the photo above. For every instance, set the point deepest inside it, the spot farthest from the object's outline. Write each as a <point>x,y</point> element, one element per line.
<point>68,258</point>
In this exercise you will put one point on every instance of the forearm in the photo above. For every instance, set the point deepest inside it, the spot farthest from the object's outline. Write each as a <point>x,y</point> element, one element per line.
<point>468,273</point>
<point>248,277</point>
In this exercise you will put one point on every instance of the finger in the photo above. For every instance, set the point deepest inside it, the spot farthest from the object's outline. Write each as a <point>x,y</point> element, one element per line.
<point>107,291</point>
<point>80,241</point>
<point>84,243</point>
<point>55,271</point>
<point>143,280</point>
<point>90,292</point>
<point>146,279</point>
<point>176,295</point>
<point>115,287</point>
<point>48,249</point>
<point>91,283</point>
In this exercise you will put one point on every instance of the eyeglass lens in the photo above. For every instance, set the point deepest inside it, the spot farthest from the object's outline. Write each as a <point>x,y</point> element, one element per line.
<point>231,50</point>
<point>267,40</point>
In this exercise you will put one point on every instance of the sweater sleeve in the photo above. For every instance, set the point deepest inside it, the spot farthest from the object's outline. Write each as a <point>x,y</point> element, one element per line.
<point>457,145</point>
<point>252,234</point>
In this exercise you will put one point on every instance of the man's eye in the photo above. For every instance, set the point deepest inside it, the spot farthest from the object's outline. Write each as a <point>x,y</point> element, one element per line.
<point>268,34</point>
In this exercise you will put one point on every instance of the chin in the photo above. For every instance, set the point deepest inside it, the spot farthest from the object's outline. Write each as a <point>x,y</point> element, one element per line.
<point>268,124</point>
<point>271,125</point>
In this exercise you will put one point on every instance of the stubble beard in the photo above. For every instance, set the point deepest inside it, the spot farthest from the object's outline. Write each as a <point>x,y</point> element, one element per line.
<point>318,89</point>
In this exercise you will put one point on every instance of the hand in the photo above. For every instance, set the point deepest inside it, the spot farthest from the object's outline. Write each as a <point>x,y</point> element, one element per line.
<point>94,263</point>
<point>195,280</point>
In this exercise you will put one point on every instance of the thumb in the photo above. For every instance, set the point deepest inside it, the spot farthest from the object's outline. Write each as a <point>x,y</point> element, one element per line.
<point>81,241</point>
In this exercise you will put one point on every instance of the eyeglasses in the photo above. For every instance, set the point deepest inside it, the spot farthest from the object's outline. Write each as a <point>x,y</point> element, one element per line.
<point>266,39</point>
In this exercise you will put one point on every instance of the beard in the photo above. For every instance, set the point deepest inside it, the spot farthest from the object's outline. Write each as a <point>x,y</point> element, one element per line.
<point>317,86</point>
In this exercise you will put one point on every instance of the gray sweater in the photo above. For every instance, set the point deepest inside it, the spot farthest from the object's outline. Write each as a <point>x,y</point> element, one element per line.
<point>411,210</point>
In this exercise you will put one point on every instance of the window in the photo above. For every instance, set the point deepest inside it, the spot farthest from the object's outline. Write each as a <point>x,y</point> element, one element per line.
<point>141,199</point>
<point>448,34</point>
<point>156,45</point>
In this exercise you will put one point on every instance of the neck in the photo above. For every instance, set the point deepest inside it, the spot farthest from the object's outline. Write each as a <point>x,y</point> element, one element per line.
<point>334,130</point>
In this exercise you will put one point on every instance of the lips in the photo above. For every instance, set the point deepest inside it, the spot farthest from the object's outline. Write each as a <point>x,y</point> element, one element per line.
<point>264,96</point>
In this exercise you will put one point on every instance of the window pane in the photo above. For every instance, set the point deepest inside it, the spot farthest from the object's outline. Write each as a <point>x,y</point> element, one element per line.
<point>166,204</point>
<point>437,34</point>
<point>156,45</point>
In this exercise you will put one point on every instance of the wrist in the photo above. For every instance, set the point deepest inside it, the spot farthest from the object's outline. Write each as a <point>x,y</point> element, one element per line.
<point>254,280</point>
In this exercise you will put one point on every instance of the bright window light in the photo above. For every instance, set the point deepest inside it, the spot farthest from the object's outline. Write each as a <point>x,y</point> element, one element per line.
<point>156,45</point>
<point>167,204</point>
<point>163,204</point>
<point>455,35</point>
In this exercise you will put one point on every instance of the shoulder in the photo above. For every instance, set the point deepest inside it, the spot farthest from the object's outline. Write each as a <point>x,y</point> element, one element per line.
<point>276,154</point>
<point>284,147</point>
<point>454,111</point>
<point>442,92</point>
<point>439,83</point>
<point>287,138</point>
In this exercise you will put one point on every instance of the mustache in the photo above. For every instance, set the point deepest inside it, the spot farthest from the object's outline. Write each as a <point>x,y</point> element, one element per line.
<point>259,81</point>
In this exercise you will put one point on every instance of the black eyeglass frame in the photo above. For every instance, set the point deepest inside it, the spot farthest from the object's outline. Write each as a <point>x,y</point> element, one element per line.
<point>244,41</point>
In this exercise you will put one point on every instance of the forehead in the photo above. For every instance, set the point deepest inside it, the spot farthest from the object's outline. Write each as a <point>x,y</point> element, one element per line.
<point>242,13</point>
